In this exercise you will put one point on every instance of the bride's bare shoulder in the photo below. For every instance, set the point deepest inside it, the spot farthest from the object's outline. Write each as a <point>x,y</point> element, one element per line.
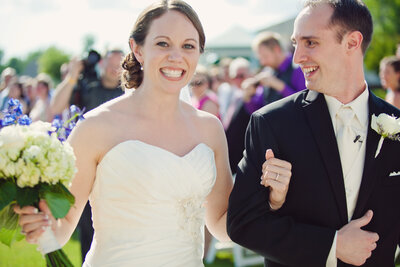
<point>100,125</point>
<point>102,116</point>
<point>208,125</point>
<point>205,120</point>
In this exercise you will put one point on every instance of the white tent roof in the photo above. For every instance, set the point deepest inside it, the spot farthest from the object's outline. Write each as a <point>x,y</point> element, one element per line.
<point>236,36</point>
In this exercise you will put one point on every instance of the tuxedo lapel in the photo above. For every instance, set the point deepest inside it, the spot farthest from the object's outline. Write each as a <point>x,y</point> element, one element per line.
<point>369,173</point>
<point>318,117</point>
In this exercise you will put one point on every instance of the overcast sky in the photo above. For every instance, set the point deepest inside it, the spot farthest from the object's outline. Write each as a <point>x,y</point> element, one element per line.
<point>28,25</point>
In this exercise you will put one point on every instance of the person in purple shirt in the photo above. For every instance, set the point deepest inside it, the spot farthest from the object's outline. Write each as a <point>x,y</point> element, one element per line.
<point>279,78</point>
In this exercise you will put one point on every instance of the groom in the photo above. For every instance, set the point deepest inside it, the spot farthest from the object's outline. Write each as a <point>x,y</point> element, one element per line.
<point>343,203</point>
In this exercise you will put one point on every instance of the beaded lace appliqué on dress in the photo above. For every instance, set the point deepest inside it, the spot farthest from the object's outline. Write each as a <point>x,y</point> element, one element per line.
<point>191,212</point>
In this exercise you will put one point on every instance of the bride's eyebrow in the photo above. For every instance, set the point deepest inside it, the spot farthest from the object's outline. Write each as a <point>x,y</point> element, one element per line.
<point>166,37</point>
<point>161,36</point>
<point>192,39</point>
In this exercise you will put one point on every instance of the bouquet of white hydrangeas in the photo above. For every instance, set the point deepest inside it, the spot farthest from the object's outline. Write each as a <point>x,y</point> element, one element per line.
<point>35,163</point>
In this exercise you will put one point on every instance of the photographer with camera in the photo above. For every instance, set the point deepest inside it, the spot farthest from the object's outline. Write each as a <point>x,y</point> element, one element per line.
<point>85,89</point>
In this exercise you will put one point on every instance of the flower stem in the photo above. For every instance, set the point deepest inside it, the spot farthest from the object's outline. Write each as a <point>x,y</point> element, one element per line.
<point>57,259</point>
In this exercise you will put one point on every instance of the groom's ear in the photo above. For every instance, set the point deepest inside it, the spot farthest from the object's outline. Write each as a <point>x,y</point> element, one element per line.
<point>353,41</point>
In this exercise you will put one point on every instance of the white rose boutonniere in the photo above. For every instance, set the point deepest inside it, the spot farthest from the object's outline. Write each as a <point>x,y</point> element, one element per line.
<point>387,127</point>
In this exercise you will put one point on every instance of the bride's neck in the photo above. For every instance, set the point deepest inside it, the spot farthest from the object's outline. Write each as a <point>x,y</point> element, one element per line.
<point>155,104</point>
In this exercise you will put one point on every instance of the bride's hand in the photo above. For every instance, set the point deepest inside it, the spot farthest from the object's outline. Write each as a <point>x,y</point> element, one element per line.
<point>276,175</point>
<point>33,221</point>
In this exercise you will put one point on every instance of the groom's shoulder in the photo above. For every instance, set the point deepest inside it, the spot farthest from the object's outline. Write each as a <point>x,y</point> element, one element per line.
<point>285,105</point>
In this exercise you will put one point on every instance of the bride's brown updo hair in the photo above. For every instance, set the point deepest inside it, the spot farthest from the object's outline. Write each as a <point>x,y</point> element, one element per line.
<point>132,75</point>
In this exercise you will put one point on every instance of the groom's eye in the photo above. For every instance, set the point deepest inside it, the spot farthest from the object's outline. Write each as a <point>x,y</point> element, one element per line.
<point>311,43</point>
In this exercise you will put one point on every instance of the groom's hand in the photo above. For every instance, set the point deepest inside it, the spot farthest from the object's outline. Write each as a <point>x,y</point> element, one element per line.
<point>276,175</point>
<point>354,245</point>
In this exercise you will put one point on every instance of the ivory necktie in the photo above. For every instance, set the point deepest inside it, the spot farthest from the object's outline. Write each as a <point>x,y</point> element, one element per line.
<point>346,138</point>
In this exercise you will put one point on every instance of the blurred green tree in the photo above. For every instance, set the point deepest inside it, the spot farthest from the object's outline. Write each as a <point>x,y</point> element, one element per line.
<point>50,62</point>
<point>2,67</point>
<point>1,56</point>
<point>33,56</point>
<point>386,17</point>
<point>17,64</point>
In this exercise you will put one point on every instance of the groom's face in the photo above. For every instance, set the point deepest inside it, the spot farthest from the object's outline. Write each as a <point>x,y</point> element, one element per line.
<point>317,49</point>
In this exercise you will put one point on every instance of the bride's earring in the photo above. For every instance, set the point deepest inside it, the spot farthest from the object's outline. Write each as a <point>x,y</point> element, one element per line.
<point>141,66</point>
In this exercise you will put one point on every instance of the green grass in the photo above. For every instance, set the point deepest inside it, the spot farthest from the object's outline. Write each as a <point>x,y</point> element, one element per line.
<point>224,258</point>
<point>23,254</point>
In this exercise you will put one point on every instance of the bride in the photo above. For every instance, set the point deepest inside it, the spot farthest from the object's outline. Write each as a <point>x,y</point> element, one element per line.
<point>153,167</point>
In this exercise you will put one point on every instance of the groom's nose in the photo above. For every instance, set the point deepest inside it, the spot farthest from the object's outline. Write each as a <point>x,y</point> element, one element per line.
<point>299,55</point>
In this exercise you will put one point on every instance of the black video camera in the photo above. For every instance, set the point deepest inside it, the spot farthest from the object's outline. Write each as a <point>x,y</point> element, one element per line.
<point>89,63</point>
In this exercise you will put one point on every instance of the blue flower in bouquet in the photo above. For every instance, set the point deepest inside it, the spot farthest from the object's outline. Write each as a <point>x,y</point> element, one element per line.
<point>74,110</point>
<point>58,125</point>
<point>14,115</point>
<point>64,128</point>
<point>8,120</point>
<point>24,120</point>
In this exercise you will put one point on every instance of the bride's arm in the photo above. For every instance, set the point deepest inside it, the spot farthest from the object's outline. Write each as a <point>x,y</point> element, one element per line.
<point>33,224</point>
<point>217,201</point>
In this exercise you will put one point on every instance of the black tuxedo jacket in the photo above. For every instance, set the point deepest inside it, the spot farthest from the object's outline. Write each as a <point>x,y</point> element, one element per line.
<point>236,130</point>
<point>299,130</point>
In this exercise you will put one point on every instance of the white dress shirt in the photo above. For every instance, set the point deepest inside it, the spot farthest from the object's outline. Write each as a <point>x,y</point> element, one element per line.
<point>352,179</point>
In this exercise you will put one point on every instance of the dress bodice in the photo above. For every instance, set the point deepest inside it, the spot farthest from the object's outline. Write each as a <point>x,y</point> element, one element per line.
<point>148,206</point>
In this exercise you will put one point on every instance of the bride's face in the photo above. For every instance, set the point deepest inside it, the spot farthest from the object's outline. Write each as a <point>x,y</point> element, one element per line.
<point>170,52</point>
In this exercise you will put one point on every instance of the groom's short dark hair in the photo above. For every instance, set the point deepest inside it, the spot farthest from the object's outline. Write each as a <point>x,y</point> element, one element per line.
<point>349,15</point>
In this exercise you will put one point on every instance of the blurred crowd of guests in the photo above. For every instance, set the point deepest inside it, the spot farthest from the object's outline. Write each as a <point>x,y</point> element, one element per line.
<point>389,73</point>
<point>231,90</point>
<point>33,93</point>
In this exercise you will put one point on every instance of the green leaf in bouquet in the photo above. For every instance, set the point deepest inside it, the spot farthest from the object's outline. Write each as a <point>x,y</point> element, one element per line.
<point>58,198</point>
<point>67,194</point>
<point>10,231</point>
<point>58,204</point>
<point>8,218</point>
<point>58,188</point>
<point>8,192</point>
<point>27,196</point>
<point>8,237</point>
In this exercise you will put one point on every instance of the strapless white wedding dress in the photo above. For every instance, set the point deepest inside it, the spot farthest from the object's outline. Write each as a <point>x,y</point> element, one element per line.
<point>148,206</point>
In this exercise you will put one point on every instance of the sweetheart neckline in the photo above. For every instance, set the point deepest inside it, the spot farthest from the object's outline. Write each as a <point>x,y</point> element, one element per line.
<point>155,147</point>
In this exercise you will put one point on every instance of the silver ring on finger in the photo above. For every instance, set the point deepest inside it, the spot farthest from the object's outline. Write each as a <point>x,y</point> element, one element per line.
<point>277,176</point>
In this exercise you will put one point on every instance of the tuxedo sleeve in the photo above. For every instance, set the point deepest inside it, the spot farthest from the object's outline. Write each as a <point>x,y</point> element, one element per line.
<point>252,224</point>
